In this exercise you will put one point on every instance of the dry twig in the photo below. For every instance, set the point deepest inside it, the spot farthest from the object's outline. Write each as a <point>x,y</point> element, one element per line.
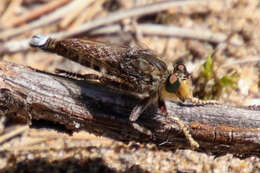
<point>14,132</point>
<point>113,17</point>
<point>36,13</point>
<point>45,20</point>
<point>172,31</point>
<point>146,29</point>
<point>128,13</point>
<point>67,20</point>
<point>10,11</point>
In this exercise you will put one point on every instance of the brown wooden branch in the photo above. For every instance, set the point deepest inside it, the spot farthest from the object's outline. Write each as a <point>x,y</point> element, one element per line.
<point>27,94</point>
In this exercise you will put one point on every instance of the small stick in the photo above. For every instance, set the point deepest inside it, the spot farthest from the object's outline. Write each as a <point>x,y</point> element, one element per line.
<point>94,10</point>
<point>46,20</point>
<point>13,133</point>
<point>75,13</point>
<point>172,31</point>
<point>10,11</point>
<point>52,5</point>
<point>113,17</point>
<point>128,13</point>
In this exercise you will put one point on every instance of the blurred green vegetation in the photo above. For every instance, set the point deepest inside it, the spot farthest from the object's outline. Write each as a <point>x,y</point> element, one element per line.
<point>210,86</point>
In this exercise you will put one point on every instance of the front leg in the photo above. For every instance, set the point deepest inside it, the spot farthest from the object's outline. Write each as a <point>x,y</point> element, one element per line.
<point>141,107</point>
<point>171,119</point>
<point>203,102</point>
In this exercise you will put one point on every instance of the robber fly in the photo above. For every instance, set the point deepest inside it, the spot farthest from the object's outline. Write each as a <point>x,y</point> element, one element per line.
<point>132,69</point>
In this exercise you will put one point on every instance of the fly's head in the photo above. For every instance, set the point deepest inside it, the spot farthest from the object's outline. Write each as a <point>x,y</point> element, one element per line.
<point>176,78</point>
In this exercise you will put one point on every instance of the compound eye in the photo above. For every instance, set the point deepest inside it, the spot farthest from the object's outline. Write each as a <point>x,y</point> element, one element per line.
<point>181,68</point>
<point>173,79</point>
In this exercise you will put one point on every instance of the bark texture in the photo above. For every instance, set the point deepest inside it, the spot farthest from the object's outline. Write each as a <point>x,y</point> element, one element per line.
<point>27,94</point>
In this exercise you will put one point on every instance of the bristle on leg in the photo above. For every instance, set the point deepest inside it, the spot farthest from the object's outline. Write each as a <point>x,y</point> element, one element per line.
<point>204,102</point>
<point>194,144</point>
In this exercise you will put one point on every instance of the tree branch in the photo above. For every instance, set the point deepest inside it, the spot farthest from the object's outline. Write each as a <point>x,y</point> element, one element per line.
<point>27,94</point>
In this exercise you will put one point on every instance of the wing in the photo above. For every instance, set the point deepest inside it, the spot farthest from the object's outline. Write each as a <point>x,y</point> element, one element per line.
<point>144,69</point>
<point>139,69</point>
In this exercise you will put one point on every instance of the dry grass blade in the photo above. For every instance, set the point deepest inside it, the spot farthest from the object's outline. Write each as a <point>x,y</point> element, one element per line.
<point>171,31</point>
<point>48,19</point>
<point>69,18</point>
<point>247,60</point>
<point>113,17</point>
<point>13,133</point>
<point>10,11</point>
<point>133,12</point>
<point>92,11</point>
<point>146,29</point>
<point>52,5</point>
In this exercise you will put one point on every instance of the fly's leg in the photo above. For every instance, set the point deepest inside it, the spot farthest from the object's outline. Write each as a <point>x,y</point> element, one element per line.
<point>181,125</point>
<point>141,107</point>
<point>162,106</point>
<point>137,111</point>
<point>111,81</point>
<point>172,119</point>
<point>76,76</point>
<point>142,129</point>
<point>203,102</point>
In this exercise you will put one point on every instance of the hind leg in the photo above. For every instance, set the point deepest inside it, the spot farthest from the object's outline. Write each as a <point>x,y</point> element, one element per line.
<point>76,76</point>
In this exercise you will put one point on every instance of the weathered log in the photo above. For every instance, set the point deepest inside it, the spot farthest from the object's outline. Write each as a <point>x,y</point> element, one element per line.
<point>31,94</point>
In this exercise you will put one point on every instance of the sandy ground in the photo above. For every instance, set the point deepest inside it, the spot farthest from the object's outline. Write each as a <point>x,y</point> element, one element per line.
<point>42,149</point>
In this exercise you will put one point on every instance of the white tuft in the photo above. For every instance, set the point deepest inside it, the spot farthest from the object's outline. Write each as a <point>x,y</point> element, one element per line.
<point>39,40</point>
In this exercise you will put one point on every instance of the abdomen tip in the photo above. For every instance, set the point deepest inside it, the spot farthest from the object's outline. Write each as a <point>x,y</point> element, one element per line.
<point>38,40</point>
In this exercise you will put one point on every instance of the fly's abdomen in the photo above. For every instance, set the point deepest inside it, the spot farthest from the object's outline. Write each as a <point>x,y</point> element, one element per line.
<point>128,68</point>
<point>88,53</point>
